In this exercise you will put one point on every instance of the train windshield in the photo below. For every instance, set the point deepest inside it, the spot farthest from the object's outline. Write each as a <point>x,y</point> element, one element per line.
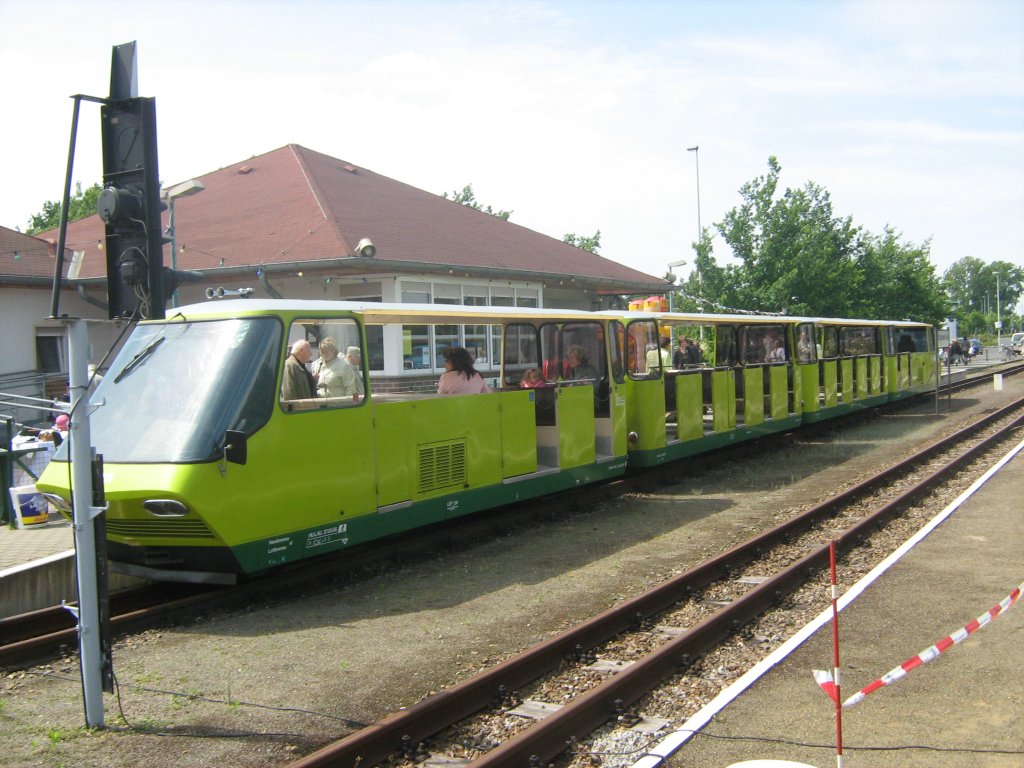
<point>174,390</point>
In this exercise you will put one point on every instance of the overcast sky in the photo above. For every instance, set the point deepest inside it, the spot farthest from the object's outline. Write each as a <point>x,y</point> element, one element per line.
<point>576,116</point>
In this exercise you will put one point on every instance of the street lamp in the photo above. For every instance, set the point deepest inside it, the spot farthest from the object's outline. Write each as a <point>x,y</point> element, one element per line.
<point>673,264</point>
<point>186,188</point>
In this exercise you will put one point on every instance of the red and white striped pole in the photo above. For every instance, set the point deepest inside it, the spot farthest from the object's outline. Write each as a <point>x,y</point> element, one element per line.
<point>835,654</point>
<point>829,681</point>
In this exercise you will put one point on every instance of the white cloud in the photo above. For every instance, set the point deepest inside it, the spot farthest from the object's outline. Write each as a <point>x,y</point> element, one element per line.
<point>576,117</point>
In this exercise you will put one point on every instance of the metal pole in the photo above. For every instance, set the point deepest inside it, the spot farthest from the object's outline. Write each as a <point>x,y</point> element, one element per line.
<point>696,159</point>
<point>58,266</point>
<point>999,318</point>
<point>88,612</point>
<point>174,246</point>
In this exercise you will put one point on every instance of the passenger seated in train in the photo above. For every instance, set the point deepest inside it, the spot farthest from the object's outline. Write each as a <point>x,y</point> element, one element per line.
<point>906,343</point>
<point>778,353</point>
<point>532,379</point>
<point>579,368</point>
<point>298,383</point>
<point>460,377</point>
<point>688,354</point>
<point>804,350</point>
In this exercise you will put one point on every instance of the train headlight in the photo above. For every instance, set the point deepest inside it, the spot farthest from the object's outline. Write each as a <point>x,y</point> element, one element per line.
<point>165,508</point>
<point>632,437</point>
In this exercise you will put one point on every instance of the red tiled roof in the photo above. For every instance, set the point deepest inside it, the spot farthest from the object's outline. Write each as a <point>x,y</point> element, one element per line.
<point>22,256</point>
<point>296,205</point>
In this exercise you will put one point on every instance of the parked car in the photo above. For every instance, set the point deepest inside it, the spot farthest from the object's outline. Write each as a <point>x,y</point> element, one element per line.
<point>1017,344</point>
<point>974,347</point>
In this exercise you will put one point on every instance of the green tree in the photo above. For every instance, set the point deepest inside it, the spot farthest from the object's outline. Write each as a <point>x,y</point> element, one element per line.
<point>795,255</point>
<point>963,281</point>
<point>81,204</point>
<point>467,197</point>
<point>592,243</point>
<point>902,280</point>
<point>984,292</point>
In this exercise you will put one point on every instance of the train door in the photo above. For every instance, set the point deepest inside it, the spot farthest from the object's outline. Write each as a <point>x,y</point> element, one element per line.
<point>805,370</point>
<point>611,434</point>
<point>324,438</point>
<point>829,366</point>
<point>720,382</point>
<point>645,386</point>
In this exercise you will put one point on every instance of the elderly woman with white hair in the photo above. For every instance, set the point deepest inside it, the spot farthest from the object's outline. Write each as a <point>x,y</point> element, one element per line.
<point>335,376</point>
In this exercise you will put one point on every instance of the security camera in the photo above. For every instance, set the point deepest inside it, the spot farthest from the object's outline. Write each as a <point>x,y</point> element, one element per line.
<point>366,249</point>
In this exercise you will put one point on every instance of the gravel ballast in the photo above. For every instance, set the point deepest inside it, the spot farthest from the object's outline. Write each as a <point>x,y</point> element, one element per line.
<point>263,686</point>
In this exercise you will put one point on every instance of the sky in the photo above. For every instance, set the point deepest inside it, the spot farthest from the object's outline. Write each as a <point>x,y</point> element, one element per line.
<point>576,116</point>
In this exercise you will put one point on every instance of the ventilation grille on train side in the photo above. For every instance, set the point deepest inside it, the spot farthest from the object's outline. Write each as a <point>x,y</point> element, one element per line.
<point>442,465</point>
<point>159,529</point>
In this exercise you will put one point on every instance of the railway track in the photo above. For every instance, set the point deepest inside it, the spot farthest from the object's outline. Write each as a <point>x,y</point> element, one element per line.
<point>676,623</point>
<point>40,634</point>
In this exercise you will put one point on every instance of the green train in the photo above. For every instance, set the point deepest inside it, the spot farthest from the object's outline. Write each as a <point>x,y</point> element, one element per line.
<point>214,470</point>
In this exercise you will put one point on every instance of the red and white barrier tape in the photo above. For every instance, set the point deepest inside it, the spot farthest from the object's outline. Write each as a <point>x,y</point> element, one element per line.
<point>824,679</point>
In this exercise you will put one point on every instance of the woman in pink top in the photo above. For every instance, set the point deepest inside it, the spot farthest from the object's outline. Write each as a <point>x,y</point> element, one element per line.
<point>460,377</point>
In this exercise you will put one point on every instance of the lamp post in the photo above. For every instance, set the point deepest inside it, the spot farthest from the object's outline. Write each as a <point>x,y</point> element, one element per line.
<point>999,317</point>
<point>186,188</point>
<point>672,264</point>
<point>696,160</point>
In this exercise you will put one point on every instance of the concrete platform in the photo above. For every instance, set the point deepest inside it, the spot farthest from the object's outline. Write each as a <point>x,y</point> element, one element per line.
<point>965,707</point>
<point>37,567</point>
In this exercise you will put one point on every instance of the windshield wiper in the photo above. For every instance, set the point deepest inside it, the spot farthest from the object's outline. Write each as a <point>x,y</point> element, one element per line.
<point>139,357</point>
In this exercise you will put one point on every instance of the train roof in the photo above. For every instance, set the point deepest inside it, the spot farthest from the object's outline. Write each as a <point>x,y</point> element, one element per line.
<point>379,313</point>
<point>697,318</point>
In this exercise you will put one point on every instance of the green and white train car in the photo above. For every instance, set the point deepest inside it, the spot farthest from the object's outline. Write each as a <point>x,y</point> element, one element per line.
<point>208,472</point>
<point>211,473</point>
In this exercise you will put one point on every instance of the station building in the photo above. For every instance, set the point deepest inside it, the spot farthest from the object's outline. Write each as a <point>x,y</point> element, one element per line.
<point>298,224</point>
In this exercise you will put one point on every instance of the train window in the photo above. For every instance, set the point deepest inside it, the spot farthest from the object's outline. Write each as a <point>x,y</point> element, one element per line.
<point>175,388</point>
<point>521,351</point>
<point>763,344</point>
<point>829,341</point>
<point>331,375</point>
<point>919,337</point>
<point>582,346</point>
<point>642,337</point>
<point>858,340</point>
<point>726,346</point>
<point>618,366</point>
<point>550,352</point>
<point>805,350</point>
<point>889,340</point>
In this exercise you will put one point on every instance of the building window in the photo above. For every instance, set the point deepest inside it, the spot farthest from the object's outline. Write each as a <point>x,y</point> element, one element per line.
<point>51,351</point>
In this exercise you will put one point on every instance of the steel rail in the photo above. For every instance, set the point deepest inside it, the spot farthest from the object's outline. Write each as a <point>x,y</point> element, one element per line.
<point>396,732</point>
<point>553,735</point>
<point>30,636</point>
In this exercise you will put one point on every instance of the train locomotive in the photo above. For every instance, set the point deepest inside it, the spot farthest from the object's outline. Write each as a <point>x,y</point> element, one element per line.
<point>210,474</point>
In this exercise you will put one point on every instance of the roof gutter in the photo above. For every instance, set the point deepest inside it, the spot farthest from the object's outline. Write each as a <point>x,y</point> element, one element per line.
<point>363,265</point>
